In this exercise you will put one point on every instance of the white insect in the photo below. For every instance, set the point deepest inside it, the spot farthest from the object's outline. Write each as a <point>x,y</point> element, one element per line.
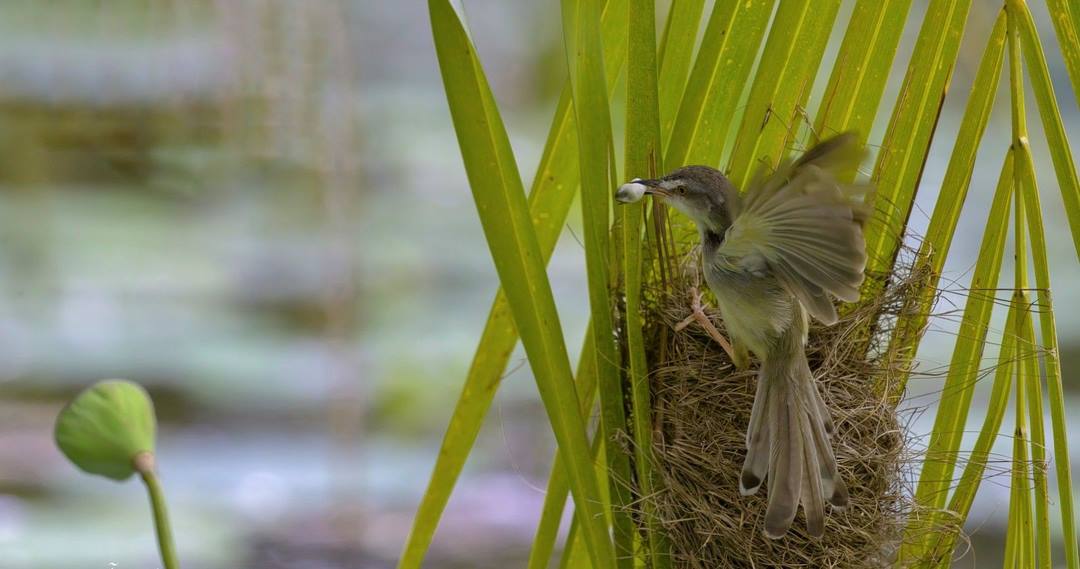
<point>631,191</point>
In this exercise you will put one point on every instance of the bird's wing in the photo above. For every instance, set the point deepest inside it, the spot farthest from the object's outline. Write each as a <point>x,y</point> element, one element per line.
<point>803,226</point>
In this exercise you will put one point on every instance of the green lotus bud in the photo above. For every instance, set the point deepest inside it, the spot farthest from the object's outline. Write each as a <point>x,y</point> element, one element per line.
<point>103,429</point>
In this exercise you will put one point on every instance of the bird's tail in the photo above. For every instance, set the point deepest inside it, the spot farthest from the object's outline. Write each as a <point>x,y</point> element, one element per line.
<point>787,441</point>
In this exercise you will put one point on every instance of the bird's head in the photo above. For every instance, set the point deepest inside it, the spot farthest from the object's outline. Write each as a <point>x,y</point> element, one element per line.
<point>701,193</point>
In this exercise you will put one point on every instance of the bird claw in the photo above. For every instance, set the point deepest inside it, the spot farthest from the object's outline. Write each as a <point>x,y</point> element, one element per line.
<point>698,315</point>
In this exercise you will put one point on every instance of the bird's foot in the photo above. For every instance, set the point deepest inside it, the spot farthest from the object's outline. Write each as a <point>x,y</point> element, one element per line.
<point>698,315</point>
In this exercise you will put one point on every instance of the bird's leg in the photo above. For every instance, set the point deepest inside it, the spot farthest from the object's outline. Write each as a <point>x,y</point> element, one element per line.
<point>698,315</point>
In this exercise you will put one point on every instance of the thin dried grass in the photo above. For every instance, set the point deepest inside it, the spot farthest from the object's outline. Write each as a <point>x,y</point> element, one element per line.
<point>701,409</point>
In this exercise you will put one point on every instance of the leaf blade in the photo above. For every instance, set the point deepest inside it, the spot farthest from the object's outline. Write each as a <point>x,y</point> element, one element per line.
<point>676,54</point>
<point>1060,151</point>
<point>951,198</point>
<point>581,21</point>
<point>558,485</point>
<point>1052,365</point>
<point>709,102</point>
<point>911,128</point>
<point>858,78</point>
<point>781,86</point>
<point>500,200</point>
<point>942,544</point>
<point>550,199</point>
<point>1066,20</point>
<point>936,475</point>
<point>642,152</point>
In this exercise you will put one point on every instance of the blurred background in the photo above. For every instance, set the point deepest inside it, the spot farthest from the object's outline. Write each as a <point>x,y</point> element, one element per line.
<point>257,209</point>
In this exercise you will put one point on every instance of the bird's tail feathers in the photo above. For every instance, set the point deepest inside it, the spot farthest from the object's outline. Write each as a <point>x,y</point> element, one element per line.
<point>788,444</point>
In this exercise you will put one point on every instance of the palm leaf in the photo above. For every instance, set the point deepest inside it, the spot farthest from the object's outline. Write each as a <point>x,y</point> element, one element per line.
<point>581,22</point>
<point>728,48</point>
<point>1066,19</point>
<point>937,471</point>
<point>942,542</point>
<point>692,116</point>
<point>862,68</point>
<point>907,140</point>
<point>676,54</point>
<point>954,188</point>
<point>781,86</point>
<point>500,200</point>
<point>549,201</point>
<point>642,151</point>
<point>1028,382</point>
<point>1060,151</point>
<point>558,484</point>
<point>1052,365</point>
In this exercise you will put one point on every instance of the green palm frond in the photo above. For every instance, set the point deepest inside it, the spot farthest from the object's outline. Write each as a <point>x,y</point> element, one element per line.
<point>685,105</point>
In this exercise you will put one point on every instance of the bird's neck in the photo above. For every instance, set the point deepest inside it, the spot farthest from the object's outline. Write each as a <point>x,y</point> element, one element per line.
<point>711,238</point>
<point>706,223</point>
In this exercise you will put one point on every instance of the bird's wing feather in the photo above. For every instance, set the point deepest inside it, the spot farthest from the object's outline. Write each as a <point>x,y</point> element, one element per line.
<point>803,226</point>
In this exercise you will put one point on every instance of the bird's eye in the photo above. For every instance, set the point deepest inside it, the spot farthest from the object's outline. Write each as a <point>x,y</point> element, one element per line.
<point>681,190</point>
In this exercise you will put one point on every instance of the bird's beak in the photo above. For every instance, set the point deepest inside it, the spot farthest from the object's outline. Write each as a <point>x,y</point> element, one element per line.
<point>633,190</point>
<point>653,188</point>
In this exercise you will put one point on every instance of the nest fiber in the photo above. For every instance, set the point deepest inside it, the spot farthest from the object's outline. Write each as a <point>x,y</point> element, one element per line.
<point>701,407</point>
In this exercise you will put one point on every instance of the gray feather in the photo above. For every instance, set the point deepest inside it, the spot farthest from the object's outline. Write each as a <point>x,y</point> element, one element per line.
<point>820,428</point>
<point>806,227</point>
<point>813,500</point>
<point>785,464</point>
<point>758,441</point>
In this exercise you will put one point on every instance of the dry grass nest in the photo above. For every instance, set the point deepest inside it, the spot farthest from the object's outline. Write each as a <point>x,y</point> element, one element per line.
<point>701,409</point>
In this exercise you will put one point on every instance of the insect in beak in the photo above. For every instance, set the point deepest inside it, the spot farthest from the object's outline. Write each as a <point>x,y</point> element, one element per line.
<point>633,190</point>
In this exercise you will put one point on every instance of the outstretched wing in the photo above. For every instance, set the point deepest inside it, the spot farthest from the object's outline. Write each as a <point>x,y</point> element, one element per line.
<point>804,227</point>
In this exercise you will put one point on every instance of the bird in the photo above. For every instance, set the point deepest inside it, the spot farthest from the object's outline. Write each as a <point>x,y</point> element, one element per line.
<point>774,256</point>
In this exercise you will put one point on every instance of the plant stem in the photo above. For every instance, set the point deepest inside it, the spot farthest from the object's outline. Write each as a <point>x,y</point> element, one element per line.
<point>144,464</point>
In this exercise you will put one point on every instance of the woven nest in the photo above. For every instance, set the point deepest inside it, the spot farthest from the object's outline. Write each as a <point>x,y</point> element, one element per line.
<point>701,407</point>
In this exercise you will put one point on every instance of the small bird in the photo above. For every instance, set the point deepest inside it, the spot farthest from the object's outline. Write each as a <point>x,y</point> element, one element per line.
<point>771,257</point>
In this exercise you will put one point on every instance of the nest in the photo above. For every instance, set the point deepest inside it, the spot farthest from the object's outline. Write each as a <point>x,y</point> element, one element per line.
<point>701,407</point>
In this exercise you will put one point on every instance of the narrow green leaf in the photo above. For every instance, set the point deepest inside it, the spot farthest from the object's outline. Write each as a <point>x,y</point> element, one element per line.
<point>862,68</point>
<point>642,154</point>
<point>550,199</point>
<point>558,485</point>
<point>1019,549</point>
<point>943,542</point>
<point>1028,381</point>
<point>676,53</point>
<point>573,555</point>
<point>937,471</point>
<point>500,201</point>
<point>581,24</point>
<point>554,504</point>
<point>782,85</point>
<point>675,46</point>
<point>709,102</point>
<point>954,188</point>
<point>1066,21</point>
<point>1020,537</point>
<point>1052,365</point>
<point>1029,361</point>
<point>1009,556</point>
<point>1060,151</point>
<point>907,139</point>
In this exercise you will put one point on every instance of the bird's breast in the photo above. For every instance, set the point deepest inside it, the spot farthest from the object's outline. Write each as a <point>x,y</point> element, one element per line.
<point>756,310</point>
